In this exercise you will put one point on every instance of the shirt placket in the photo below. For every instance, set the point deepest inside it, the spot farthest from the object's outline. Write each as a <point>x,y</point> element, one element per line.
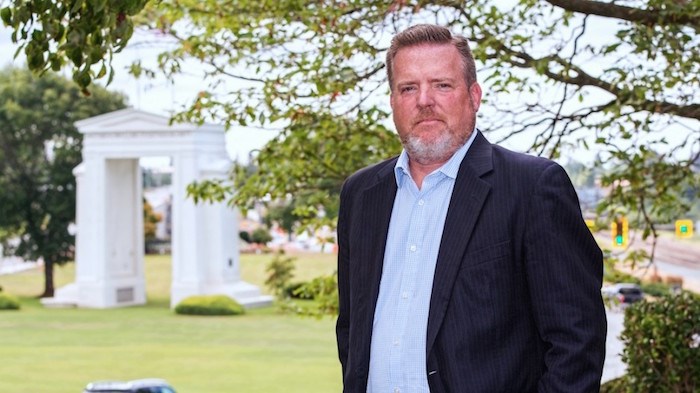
<point>414,253</point>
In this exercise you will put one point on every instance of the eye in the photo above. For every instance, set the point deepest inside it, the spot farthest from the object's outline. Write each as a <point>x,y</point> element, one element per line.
<point>444,85</point>
<point>407,89</point>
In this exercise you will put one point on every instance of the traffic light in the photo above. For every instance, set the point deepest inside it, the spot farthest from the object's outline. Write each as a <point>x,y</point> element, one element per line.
<point>620,232</point>
<point>684,228</point>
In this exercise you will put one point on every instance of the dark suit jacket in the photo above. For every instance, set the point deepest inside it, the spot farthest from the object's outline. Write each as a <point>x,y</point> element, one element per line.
<point>516,303</point>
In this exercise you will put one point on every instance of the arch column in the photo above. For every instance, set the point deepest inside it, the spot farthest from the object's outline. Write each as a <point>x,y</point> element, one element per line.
<point>207,232</point>
<point>109,217</point>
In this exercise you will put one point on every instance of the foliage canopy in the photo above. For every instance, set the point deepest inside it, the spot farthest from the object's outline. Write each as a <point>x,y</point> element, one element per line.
<point>562,75</point>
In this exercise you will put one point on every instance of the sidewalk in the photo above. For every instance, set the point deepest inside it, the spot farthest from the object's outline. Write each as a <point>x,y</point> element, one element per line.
<point>15,265</point>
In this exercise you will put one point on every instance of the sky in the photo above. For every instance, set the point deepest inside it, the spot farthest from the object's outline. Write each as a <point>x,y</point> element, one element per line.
<point>164,98</point>
<point>155,96</point>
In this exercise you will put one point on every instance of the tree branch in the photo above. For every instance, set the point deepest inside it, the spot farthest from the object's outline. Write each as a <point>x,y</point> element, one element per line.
<point>645,16</point>
<point>525,60</point>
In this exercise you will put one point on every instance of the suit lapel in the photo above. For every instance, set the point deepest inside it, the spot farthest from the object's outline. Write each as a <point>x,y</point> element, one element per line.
<point>469,194</point>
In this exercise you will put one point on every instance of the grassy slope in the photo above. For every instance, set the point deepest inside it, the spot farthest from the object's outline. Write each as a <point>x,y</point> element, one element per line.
<point>57,351</point>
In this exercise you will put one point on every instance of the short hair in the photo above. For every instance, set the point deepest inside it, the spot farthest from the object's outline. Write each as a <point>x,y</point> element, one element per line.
<point>431,34</point>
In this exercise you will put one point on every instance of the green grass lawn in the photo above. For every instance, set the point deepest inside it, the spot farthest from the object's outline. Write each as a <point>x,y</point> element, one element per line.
<point>60,350</point>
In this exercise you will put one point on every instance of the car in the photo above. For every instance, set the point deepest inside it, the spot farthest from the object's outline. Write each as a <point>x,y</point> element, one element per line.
<point>624,293</point>
<point>146,385</point>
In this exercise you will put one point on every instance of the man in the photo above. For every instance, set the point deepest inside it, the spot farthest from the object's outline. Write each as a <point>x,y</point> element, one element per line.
<point>462,266</point>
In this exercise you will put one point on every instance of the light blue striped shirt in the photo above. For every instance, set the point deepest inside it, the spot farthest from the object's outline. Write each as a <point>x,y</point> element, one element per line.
<point>398,350</point>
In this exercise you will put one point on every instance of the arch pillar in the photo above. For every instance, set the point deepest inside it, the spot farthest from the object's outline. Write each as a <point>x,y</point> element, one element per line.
<point>109,217</point>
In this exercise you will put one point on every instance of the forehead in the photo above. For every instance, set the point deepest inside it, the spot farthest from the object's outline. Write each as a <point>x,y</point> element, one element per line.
<point>435,59</point>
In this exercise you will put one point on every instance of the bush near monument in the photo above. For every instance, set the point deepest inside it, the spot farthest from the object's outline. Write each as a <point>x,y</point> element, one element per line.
<point>8,302</point>
<point>209,305</point>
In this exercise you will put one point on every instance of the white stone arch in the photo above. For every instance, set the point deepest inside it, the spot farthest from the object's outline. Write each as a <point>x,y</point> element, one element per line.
<point>109,268</point>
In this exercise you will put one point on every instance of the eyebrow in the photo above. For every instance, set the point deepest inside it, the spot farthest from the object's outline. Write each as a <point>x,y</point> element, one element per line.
<point>432,80</point>
<point>436,80</point>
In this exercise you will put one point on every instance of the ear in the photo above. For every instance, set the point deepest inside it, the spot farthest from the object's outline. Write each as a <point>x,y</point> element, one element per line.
<point>475,95</point>
<point>391,100</point>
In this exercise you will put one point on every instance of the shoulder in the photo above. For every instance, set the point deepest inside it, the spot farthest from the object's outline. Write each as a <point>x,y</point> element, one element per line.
<point>533,176</point>
<point>368,176</point>
<point>522,164</point>
<point>511,158</point>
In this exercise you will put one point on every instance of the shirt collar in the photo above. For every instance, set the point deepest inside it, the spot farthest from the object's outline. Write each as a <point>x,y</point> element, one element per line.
<point>449,169</point>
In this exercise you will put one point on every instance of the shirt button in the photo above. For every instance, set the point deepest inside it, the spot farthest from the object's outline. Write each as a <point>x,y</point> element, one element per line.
<point>397,390</point>
<point>396,343</point>
<point>404,295</point>
<point>413,248</point>
<point>421,202</point>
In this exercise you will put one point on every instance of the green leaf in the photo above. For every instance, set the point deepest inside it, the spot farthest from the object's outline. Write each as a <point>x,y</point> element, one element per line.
<point>103,71</point>
<point>6,15</point>
<point>82,78</point>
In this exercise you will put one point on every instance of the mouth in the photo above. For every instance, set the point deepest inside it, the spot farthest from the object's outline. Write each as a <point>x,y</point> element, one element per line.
<point>428,121</point>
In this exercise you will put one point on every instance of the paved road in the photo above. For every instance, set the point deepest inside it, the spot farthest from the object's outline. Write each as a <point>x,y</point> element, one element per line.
<point>691,276</point>
<point>679,270</point>
<point>673,257</point>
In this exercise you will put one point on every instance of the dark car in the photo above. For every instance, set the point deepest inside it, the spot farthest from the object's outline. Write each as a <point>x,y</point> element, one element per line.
<point>624,293</point>
<point>150,385</point>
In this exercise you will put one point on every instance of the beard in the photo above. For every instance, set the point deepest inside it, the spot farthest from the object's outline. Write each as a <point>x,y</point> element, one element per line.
<point>435,150</point>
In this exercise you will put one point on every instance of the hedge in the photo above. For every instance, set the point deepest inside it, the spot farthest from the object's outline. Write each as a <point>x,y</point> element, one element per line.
<point>209,305</point>
<point>8,302</point>
<point>662,345</point>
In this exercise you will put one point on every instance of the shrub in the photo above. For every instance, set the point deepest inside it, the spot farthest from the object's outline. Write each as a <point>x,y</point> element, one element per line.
<point>261,236</point>
<point>324,290</point>
<point>296,290</point>
<point>8,302</point>
<point>209,305</point>
<point>280,271</point>
<point>662,345</point>
<point>613,275</point>
<point>617,385</point>
<point>656,289</point>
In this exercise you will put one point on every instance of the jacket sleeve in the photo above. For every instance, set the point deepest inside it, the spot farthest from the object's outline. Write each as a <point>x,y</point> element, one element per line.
<point>564,269</point>
<point>343,322</point>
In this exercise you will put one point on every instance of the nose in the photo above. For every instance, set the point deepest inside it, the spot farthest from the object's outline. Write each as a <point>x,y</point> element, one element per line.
<point>425,98</point>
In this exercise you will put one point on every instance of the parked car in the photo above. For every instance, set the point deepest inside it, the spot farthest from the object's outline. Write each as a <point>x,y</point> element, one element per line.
<point>148,385</point>
<point>624,293</point>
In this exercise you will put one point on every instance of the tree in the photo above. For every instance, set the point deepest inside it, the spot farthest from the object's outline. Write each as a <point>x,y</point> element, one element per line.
<point>261,236</point>
<point>39,147</point>
<point>559,76</point>
<point>283,215</point>
<point>150,221</point>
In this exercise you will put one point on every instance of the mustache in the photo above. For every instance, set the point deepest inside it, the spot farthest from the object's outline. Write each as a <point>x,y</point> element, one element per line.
<point>426,114</point>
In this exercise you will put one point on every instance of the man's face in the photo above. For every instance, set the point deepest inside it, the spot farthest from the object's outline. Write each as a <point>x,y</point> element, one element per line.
<point>433,108</point>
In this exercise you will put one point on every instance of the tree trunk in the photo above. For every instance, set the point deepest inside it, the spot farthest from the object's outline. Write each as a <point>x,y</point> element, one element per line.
<point>48,278</point>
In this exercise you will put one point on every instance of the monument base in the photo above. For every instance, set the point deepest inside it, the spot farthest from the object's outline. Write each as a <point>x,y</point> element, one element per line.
<point>246,294</point>
<point>117,293</point>
<point>69,296</point>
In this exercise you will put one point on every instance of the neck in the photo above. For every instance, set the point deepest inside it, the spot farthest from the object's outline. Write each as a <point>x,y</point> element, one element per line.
<point>420,171</point>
